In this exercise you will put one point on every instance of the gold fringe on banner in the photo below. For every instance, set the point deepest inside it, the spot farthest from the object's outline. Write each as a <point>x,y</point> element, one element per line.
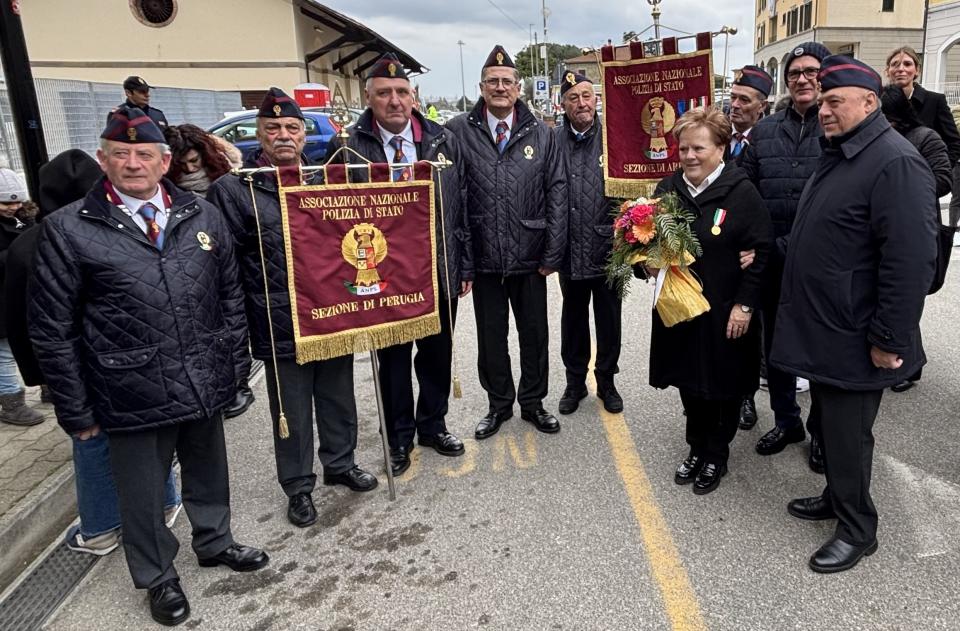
<point>630,189</point>
<point>367,339</point>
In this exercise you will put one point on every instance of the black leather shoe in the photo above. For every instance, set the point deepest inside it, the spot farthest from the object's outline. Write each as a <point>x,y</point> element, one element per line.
<point>812,508</point>
<point>612,401</point>
<point>903,386</point>
<point>168,603</point>
<point>815,460</point>
<point>238,558</point>
<point>490,424</point>
<point>748,413</point>
<point>399,460</point>
<point>300,510</point>
<point>241,401</point>
<point>774,441</point>
<point>688,469</point>
<point>355,479</point>
<point>444,443</point>
<point>542,420</point>
<point>708,478</point>
<point>570,401</point>
<point>837,555</point>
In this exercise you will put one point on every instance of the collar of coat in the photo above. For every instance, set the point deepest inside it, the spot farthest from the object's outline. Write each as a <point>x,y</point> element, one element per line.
<point>858,138</point>
<point>424,129</point>
<point>919,93</point>
<point>521,116</point>
<point>730,177</point>
<point>97,205</point>
<point>265,180</point>
<point>594,128</point>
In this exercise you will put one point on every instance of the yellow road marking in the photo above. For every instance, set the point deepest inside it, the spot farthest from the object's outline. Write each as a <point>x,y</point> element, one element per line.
<point>526,457</point>
<point>468,461</point>
<point>667,569</point>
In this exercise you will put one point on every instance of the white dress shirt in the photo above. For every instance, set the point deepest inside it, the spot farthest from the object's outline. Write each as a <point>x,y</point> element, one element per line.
<point>707,181</point>
<point>492,122</point>
<point>131,206</point>
<point>409,147</point>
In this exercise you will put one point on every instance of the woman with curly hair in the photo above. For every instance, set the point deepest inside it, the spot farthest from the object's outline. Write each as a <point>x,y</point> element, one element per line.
<point>199,158</point>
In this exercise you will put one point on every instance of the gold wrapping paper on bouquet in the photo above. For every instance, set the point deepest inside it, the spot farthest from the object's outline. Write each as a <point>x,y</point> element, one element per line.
<point>681,295</point>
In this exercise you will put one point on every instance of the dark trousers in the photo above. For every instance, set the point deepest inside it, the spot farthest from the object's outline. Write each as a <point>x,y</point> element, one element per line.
<point>846,418</point>
<point>141,463</point>
<point>432,366</point>
<point>575,329</point>
<point>711,426</point>
<point>782,386</point>
<point>492,297</point>
<point>321,388</point>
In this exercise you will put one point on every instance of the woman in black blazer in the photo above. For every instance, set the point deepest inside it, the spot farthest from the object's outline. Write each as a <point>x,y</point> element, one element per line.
<point>903,69</point>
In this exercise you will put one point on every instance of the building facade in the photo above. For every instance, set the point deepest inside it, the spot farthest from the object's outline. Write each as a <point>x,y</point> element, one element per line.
<point>941,55</point>
<point>243,46</point>
<point>865,29</point>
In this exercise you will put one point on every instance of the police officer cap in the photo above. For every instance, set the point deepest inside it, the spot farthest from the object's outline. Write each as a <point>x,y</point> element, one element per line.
<point>840,71</point>
<point>755,77</point>
<point>276,104</point>
<point>12,187</point>
<point>570,79</point>
<point>499,58</point>
<point>130,125</point>
<point>388,67</point>
<point>136,84</point>
<point>812,49</point>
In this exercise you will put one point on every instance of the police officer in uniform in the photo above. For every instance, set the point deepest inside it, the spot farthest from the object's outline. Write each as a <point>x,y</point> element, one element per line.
<point>583,276</point>
<point>516,188</point>
<point>136,318</point>
<point>137,91</point>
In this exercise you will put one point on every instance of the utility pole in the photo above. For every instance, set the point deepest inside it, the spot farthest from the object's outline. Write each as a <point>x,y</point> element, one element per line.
<point>463,82</point>
<point>546,52</point>
<point>533,54</point>
<point>23,95</point>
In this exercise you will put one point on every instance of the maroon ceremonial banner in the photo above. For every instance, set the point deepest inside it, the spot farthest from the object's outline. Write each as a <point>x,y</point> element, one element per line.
<point>642,100</point>
<point>361,263</point>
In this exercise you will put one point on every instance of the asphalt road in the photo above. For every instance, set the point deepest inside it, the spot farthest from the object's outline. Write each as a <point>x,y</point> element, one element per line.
<point>584,529</point>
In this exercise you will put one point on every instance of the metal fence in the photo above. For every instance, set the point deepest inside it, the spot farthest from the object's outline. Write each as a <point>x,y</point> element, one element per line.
<point>952,90</point>
<point>74,113</point>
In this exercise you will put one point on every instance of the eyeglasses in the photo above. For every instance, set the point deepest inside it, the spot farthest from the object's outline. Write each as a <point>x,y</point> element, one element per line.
<point>492,83</point>
<point>809,73</point>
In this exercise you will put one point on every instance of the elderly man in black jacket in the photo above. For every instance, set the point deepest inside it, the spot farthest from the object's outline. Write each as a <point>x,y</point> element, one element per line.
<point>517,210</point>
<point>392,131</point>
<point>780,158</point>
<point>859,261</point>
<point>137,323</point>
<point>321,387</point>
<point>590,237</point>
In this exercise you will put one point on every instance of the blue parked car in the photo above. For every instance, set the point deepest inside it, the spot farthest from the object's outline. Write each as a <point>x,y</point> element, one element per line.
<point>241,130</point>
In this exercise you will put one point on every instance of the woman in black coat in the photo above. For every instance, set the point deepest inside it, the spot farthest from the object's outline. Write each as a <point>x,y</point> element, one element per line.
<point>714,358</point>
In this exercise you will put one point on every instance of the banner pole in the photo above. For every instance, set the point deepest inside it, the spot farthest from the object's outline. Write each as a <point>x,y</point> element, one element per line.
<point>375,365</point>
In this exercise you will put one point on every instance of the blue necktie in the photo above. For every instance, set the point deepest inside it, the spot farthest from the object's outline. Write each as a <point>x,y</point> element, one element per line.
<point>149,213</point>
<point>501,136</point>
<point>738,147</point>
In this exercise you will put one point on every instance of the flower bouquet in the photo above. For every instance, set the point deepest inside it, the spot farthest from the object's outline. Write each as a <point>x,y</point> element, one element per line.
<point>657,233</point>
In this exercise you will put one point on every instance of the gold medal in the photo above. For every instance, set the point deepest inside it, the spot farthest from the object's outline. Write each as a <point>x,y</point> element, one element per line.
<point>715,230</point>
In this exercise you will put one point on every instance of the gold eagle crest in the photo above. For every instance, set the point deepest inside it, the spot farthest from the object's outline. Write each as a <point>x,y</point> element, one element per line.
<point>364,247</point>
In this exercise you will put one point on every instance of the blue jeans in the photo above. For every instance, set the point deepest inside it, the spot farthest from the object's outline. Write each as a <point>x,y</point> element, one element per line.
<point>96,490</point>
<point>9,379</point>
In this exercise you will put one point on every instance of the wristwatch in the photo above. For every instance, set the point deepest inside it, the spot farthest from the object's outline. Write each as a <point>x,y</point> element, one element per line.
<point>746,309</point>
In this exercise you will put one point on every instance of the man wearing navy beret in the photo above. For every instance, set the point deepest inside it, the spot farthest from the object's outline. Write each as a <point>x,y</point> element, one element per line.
<point>748,97</point>
<point>136,318</point>
<point>859,261</point>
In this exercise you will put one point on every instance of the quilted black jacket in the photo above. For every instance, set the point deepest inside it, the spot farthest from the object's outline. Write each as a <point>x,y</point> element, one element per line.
<point>128,336</point>
<point>434,141</point>
<point>231,193</point>
<point>591,225</point>
<point>782,155</point>
<point>516,202</point>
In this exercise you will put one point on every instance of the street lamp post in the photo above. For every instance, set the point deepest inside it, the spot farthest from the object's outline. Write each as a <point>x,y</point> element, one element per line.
<point>463,83</point>
<point>727,32</point>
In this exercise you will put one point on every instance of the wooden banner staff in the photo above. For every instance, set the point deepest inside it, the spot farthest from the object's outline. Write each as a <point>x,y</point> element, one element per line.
<point>283,429</point>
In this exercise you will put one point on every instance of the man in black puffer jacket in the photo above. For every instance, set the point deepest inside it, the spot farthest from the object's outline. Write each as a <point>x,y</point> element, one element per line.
<point>517,212</point>
<point>590,238</point>
<point>324,388</point>
<point>782,155</point>
<point>136,319</point>
<point>391,131</point>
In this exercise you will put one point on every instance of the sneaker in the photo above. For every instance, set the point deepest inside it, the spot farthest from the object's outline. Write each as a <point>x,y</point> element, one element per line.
<point>100,545</point>
<point>170,515</point>
<point>802,385</point>
<point>764,385</point>
<point>956,239</point>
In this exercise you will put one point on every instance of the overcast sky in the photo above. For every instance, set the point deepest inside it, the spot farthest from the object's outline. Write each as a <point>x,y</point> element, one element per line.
<point>429,29</point>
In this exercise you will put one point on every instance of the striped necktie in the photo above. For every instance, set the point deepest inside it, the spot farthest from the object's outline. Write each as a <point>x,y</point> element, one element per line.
<point>149,213</point>
<point>738,146</point>
<point>399,175</point>
<point>502,135</point>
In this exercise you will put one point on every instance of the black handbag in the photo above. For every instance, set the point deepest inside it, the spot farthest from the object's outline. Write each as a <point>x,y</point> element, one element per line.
<point>944,250</point>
